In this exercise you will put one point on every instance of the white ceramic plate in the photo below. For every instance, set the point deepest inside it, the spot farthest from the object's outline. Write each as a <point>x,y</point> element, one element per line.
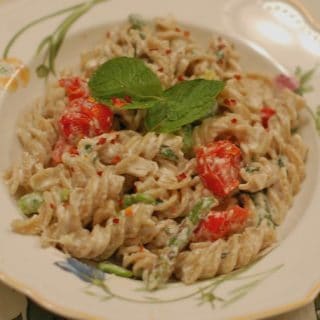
<point>272,36</point>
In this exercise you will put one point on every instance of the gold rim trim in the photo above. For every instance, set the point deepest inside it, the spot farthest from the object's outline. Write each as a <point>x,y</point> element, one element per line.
<point>315,23</point>
<point>74,314</point>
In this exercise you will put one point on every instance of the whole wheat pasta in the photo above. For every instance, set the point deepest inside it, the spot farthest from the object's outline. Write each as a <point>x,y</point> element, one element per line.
<point>126,193</point>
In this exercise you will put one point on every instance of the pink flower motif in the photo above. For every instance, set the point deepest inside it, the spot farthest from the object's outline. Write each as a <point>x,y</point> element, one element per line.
<point>282,81</point>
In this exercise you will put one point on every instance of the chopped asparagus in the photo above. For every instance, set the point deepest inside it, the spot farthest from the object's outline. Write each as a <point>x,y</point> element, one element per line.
<point>163,268</point>
<point>130,199</point>
<point>30,203</point>
<point>187,148</point>
<point>64,194</point>
<point>115,269</point>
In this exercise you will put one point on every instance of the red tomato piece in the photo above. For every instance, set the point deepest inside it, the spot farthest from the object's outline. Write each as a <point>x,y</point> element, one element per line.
<point>218,165</point>
<point>74,126</point>
<point>104,117</point>
<point>75,87</point>
<point>266,114</point>
<point>85,118</point>
<point>221,224</point>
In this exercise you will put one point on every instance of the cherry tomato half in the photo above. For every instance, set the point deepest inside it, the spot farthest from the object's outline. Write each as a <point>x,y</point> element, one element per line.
<point>221,224</point>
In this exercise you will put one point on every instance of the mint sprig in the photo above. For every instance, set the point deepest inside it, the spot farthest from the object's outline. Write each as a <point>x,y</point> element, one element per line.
<point>123,76</point>
<point>183,104</point>
<point>168,110</point>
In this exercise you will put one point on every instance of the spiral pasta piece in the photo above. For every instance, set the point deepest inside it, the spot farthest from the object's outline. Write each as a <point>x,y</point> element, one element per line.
<point>139,259</point>
<point>205,260</point>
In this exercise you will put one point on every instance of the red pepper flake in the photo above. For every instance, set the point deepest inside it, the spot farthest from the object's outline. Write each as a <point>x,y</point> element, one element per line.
<point>234,120</point>
<point>141,249</point>
<point>116,159</point>
<point>230,102</point>
<point>181,78</point>
<point>52,206</point>
<point>178,29</point>
<point>99,173</point>
<point>237,77</point>
<point>181,176</point>
<point>168,51</point>
<point>220,61</point>
<point>117,102</point>
<point>266,114</point>
<point>102,140</point>
<point>108,34</point>
<point>120,202</point>
<point>153,49</point>
<point>71,169</point>
<point>160,69</point>
<point>115,220</point>
<point>128,212</point>
<point>186,34</point>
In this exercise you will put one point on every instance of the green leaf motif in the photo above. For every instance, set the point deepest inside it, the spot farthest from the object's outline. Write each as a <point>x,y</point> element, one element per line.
<point>123,76</point>
<point>304,79</point>
<point>183,104</point>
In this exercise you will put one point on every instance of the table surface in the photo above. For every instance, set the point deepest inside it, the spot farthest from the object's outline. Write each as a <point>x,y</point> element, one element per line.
<point>14,306</point>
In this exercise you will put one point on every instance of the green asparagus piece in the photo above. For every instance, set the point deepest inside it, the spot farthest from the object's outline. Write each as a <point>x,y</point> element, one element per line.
<point>167,153</point>
<point>64,194</point>
<point>187,148</point>
<point>130,199</point>
<point>30,203</point>
<point>163,268</point>
<point>115,269</point>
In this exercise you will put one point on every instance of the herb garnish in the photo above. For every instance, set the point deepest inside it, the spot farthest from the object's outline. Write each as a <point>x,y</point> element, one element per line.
<point>169,110</point>
<point>123,76</point>
<point>183,104</point>
<point>167,153</point>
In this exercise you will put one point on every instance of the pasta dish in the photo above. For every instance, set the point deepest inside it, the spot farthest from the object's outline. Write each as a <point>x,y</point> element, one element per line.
<point>160,155</point>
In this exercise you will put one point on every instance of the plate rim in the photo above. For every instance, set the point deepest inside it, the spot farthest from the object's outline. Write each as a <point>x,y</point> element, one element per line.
<point>59,309</point>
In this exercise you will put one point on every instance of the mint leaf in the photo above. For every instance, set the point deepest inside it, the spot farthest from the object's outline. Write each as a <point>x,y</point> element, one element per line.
<point>183,104</point>
<point>147,104</point>
<point>124,76</point>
